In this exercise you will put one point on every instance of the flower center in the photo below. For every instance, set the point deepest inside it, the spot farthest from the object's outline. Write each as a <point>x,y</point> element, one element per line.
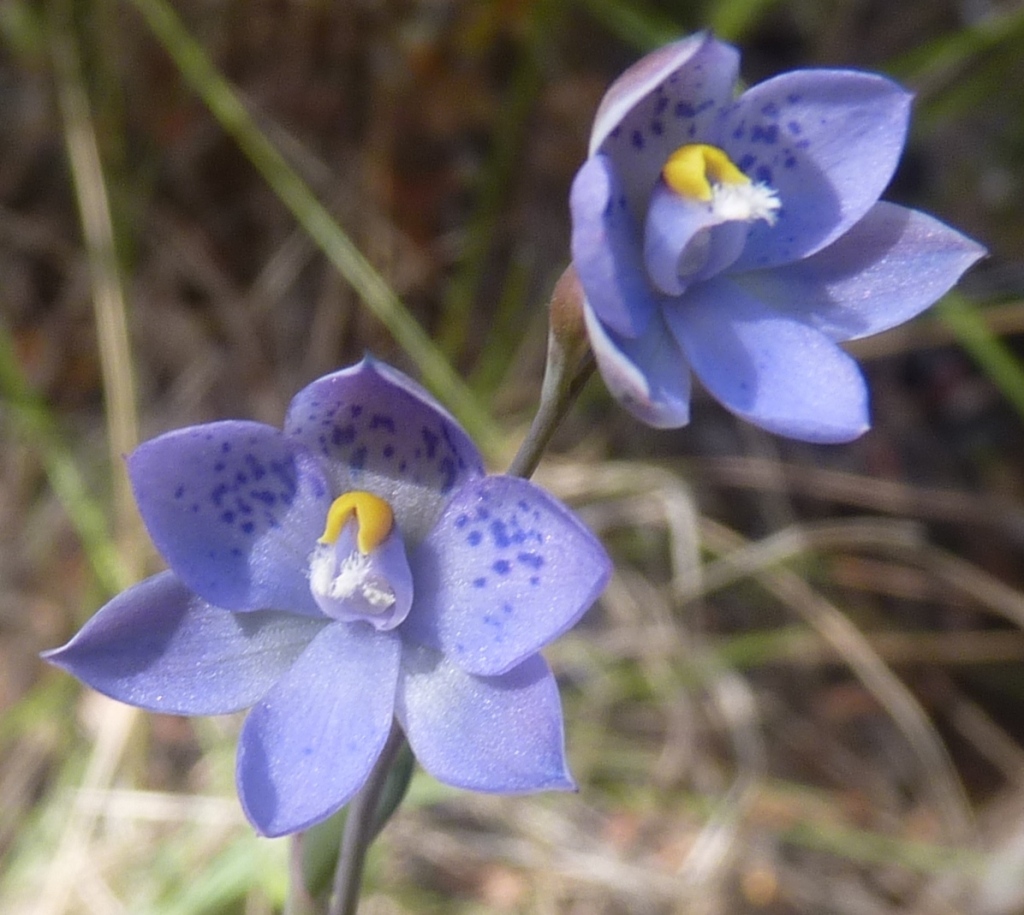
<point>358,569</point>
<point>373,516</point>
<point>703,172</point>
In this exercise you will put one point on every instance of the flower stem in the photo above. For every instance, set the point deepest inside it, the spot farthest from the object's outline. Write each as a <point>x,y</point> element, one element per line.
<point>299,901</point>
<point>570,364</point>
<point>360,825</point>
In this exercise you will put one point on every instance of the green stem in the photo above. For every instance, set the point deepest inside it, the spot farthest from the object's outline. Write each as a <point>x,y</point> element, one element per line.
<point>360,826</point>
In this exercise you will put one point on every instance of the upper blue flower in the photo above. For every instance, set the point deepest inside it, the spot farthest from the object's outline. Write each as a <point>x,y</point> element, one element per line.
<point>743,238</point>
<point>355,568</point>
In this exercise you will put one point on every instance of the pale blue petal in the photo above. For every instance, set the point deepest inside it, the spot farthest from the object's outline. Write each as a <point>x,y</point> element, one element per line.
<point>310,743</point>
<point>496,734</point>
<point>671,97</point>
<point>768,368</point>
<point>380,431</point>
<point>506,570</point>
<point>235,508</point>
<point>648,376</point>
<point>685,241</point>
<point>888,268</point>
<point>606,250</point>
<point>160,647</point>
<point>828,142</point>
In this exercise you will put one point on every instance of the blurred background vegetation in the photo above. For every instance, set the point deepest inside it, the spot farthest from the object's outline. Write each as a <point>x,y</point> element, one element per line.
<point>801,692</point>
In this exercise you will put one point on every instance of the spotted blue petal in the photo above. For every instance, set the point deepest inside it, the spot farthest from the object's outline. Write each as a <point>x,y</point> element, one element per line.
<point>376,430</point>
<point>671,97</point>
<point>506,569</point>
<point>234,508</point>
<point>828,142</point>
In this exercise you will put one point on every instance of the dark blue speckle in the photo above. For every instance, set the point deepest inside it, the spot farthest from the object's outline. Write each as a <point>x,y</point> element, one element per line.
<point>446,467</point>
<point>357,461</point>
<point>479,582</point>
<point>179,492</point>
<point>685,110</point>
<point>474,538</point>
<point>533,560</point>
<point>502,566</point>
<point>343,435</point>
<point>431,439</point>
<point>380,421</point>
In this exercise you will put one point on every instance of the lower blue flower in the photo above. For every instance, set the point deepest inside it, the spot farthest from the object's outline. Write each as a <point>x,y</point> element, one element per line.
<point>354,569</point>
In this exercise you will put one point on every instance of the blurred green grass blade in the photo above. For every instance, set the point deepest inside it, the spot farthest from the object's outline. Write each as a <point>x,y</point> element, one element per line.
<point>35,425</point>
<point>993,356</point>
<point>730,19</point>
<point>437,374</point>
<point>642,28</point>
<point>225,882</point>
<point>942,58</point>
<point>498,178</point>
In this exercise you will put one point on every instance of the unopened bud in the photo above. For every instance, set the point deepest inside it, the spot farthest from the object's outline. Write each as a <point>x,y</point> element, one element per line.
<point>568,326</point>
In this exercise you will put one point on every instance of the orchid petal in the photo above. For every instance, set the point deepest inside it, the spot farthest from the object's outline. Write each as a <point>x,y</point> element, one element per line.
<point>887,269</point>
<point>378,430</point>
<point>506,569</point>
<point>606,250</point>
<point>310,743</point>
<point>162,648</point>
<point>235,508</point>
<point>668,99</point>
<point>498,734</point>
<point>648,376</point>
<point>768,368</point>
<point>827,141</point>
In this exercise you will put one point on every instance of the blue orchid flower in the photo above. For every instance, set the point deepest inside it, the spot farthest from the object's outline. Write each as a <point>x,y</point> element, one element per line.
<point>356,568</point>
<point>743,239</point>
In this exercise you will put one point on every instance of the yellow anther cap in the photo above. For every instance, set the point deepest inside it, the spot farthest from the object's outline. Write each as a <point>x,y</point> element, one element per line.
<point>691,169</point>
<point>373,517</point>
